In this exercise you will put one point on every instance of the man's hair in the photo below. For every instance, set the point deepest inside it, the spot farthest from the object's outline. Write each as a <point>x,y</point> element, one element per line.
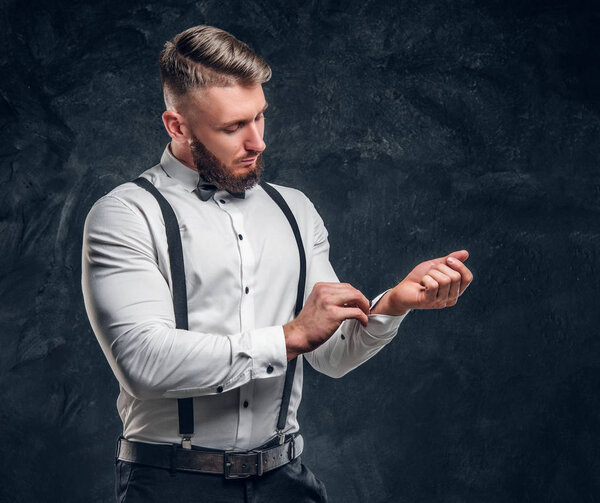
<point>205,56</point>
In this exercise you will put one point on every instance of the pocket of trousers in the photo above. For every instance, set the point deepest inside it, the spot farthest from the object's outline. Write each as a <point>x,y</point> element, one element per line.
<point>122,478</point>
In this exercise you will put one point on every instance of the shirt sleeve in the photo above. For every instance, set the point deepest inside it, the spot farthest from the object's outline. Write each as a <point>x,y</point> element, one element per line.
<point>352,344</point>
<point>130,308</point>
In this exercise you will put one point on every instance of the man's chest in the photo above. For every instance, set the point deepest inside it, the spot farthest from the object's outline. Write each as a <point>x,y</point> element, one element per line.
<point>241,265</point>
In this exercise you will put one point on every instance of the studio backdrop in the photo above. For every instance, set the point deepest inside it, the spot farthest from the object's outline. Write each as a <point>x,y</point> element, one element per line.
<point>416,128</point>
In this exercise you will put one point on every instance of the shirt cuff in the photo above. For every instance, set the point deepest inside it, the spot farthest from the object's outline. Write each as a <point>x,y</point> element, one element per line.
<point>269,355</point>
<point>383,325</point>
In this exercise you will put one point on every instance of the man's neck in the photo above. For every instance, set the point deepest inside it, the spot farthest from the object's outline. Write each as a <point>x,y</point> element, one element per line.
<point>183,153</point>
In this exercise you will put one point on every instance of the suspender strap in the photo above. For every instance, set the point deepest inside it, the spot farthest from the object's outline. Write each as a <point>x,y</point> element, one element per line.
<point>185,405</point>
<point>291,367</point>
<point>278,198</point>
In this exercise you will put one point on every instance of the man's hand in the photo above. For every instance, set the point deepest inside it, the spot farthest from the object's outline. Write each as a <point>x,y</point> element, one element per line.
<point>433,284</point>
<point>326,307</point>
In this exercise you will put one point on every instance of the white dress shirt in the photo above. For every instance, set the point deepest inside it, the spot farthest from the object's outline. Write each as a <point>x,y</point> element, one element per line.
<point>241,268</point>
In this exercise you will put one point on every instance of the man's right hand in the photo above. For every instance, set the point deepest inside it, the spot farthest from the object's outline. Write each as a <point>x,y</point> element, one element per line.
<point>326,307</point>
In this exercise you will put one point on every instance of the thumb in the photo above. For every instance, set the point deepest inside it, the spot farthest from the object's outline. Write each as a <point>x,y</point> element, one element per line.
<point>461,255</point>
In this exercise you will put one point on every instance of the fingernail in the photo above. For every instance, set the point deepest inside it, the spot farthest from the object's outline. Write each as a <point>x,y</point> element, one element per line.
<point>451,260</point>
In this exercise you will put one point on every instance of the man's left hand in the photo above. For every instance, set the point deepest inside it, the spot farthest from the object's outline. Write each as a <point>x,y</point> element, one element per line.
<point>433,284</point>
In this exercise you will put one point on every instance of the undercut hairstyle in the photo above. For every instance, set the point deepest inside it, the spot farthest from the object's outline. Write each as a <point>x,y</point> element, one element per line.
<point>204,56</point>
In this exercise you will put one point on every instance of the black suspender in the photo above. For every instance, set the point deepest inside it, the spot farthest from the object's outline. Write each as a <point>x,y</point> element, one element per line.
<point>291,367</point>
<point>186,405</point>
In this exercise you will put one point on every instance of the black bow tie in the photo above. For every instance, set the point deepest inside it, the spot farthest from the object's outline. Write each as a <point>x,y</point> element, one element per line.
<point>206,190</point>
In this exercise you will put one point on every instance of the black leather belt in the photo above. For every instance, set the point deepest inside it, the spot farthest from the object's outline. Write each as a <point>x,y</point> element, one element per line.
<point>232,464</point>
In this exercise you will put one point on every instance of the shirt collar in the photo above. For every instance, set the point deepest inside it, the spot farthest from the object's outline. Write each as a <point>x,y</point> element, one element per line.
<point>174,168</point>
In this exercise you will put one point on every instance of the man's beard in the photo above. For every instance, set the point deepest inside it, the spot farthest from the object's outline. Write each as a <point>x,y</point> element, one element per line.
<point>215,172</point>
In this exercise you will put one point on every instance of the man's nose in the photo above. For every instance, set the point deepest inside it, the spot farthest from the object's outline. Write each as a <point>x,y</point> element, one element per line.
<point>254,140</point>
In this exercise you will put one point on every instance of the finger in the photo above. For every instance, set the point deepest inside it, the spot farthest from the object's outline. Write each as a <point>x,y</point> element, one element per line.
<point>346,295</point>
<point>431,288</point>
<point>349,313</point>
<point>465,273</point>
<point>443,282</point>
<point>455,277</point>
<point>340,294</point>
<point>460,255</point>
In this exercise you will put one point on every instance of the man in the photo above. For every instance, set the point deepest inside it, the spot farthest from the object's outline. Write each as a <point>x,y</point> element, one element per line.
<point>203,380</point>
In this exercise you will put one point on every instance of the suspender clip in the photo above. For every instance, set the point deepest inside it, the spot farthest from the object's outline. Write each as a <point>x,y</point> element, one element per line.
<point>186,442</point>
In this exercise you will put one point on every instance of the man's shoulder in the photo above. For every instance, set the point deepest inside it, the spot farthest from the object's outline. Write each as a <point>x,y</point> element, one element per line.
<point>129,194</point>
<point>129,191</point>
<point>300,205</point>
<point>294,197</point>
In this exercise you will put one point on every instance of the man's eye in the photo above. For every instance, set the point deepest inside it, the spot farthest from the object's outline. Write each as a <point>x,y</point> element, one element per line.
<point>234,128</point>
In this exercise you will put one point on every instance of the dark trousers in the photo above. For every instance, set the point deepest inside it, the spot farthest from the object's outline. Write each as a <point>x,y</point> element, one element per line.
<point>292,483</point>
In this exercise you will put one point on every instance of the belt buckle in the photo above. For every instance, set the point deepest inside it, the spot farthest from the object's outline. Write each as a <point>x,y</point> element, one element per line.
<point>251,455</point>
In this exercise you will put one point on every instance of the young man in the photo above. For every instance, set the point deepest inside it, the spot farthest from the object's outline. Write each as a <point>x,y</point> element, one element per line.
<point>208,414</point>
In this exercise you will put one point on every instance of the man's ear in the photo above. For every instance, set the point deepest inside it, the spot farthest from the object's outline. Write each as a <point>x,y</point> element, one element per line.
<point>175,126</point>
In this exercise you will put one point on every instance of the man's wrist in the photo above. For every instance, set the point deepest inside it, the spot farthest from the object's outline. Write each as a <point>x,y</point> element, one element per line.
<point>292,336</point>
<point>384,306</point>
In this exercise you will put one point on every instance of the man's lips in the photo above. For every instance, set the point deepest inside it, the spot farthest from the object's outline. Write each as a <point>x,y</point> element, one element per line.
<point>249,160</point>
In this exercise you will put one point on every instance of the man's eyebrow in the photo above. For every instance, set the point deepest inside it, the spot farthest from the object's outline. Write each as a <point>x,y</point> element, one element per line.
<point>238,121</point>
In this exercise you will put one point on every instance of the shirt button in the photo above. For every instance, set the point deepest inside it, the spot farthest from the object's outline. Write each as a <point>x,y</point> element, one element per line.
<point>343,336</point>
<point>220,389</point>
<point>246,404</point>
<point>222,201</point>
<point>269,369</point>
<point>240,236</point>
<point>247,290</point>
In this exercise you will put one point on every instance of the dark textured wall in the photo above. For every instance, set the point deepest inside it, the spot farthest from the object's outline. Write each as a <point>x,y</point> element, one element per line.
<point>417,128</point>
